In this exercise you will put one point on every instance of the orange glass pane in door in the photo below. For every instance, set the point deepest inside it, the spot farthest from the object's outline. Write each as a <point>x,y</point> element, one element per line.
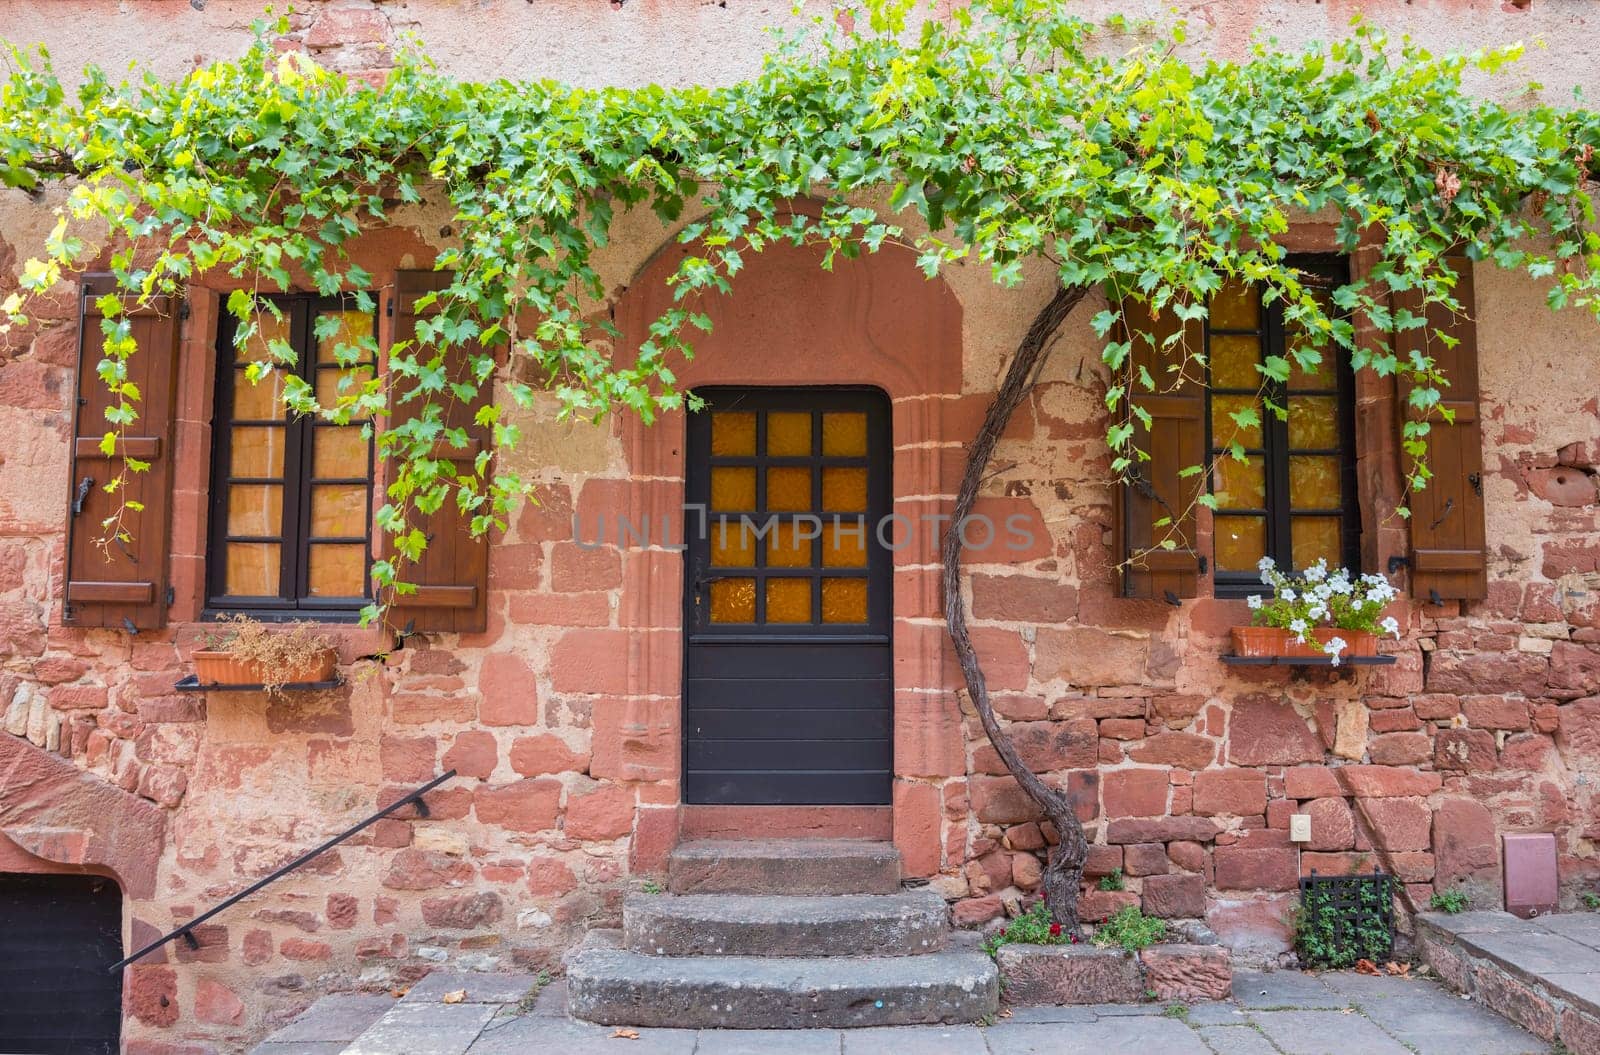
<point>255,509</point>
<point>789,546</point>
<point>844,543</point>
<point>337,570</point>
<point>1313,422</point>
<point>788,434</point>
<point>338,510</point>
<point>732,545</point>
<point>1233,361</point>
<point>257,348</point>
<point>351,342</point>
<point>844,490</point>
<point>1241,484</point>
<point>334,383</point>
<point>257,451</point>
<point>788,489</point>
<point>1313,539</point>
<point>844,600</point>
<point>788,600</point>
<point>260,400</point>
<point>844,435</point>
<point>252,569</point>
<point>733,489</point>
<point>1226,430</point>
<point>1314,482</point>
<point>1236,306</point>
<point>733,433</point>
<point>339,452</point>
<point>1239,542</point>
<point>733,601</point>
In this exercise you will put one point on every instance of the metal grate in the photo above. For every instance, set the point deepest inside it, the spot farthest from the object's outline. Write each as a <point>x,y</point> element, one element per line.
<point>1344,919</point>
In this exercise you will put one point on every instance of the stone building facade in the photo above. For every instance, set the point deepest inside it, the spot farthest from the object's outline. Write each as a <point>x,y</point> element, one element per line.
<point>563,717</point>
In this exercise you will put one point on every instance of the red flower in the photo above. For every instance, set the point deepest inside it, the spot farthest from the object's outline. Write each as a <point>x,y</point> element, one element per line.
<point>1002,932</point>
<point>1074,939</point>
<point>1055,930</point>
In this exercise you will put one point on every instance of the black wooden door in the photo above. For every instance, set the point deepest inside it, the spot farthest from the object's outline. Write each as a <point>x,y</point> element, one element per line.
<point>58,934</point>
<point>788,606</point>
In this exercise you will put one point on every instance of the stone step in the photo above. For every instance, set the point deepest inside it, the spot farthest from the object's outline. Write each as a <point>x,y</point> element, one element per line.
<point>903,924</point>
<point>616,987</point>
<point>784,866</point>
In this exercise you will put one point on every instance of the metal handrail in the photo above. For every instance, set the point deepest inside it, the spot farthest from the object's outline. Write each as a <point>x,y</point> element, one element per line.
<point>186,931</point>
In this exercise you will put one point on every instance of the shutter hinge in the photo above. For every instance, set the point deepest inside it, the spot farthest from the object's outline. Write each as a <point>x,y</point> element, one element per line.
<point>1202,562</point>
<point>172,596</point>
<point>388,308</point>
<point>1433,596</point>
<point>127,624</point>
<point>81,494</point>
<point>1476,480</point>
<point>1171,598</point>
<point>1397,562</point>
<point>183,309</point>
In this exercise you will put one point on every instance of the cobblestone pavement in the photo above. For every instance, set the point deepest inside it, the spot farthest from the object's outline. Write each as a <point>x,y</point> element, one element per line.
<point>1275,1013</point>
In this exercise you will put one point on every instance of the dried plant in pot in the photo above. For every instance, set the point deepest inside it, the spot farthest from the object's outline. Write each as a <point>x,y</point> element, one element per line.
<point>246,652</point>
<point>1316,613</point>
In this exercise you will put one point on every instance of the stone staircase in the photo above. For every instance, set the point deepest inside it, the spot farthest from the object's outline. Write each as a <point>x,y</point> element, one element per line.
<point>781,935</point>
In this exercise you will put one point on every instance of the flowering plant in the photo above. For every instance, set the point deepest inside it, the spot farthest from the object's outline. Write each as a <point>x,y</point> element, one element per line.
<point>1320,598</point>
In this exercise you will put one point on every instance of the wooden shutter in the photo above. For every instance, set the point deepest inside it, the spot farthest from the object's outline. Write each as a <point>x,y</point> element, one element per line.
<point>1447,530</point>
<point>1156,489</point>
<point>124,582</point>
<point>452,577</point>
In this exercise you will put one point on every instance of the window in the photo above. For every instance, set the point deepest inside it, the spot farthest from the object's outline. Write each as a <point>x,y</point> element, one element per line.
<point>291,509</point>
<point>1293,497</point>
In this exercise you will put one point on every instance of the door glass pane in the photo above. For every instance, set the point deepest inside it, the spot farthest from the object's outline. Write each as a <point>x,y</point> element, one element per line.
<point>844,435</point>
<point>732,545</point>
<point>788,489</point>
<point>844,490</point>
<point>260,400</point>
<point>1314,422</point>
<point>1225,431</point>
<point>789,546</point>
<point>733,488</point>
<point>844,600</point>
<point>354,332</point>
<point>258,451</point>
<point>255,349</point>
<point>788,600</point>
<point>338,510</point>
<point>1233,361</point>
<point>252,569</point>
<point>733,601</point>
<point>1239,542</point>
<point>339,451</point>
<point>1313,482</point>
<point>1241,485</point>
<point>333,382</point>
<point>733,433</point>
<point>255,509</point>
<point>337,570</point>
<point>1235,307</point>
<point>789,434</point>
<point>1314,538</point>
<point>844,544</point>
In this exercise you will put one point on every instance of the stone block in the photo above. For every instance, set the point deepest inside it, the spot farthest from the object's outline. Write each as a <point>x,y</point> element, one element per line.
<point>1266,731</point>
<point>1134,792</point>
<point>1234,792</point>
<point>1068,974</point>
<point>1175,896</point>
<point>1188,972</point>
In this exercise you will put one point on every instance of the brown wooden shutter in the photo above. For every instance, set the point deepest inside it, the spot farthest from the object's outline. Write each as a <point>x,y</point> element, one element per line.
<point>123,583</point>
<point>1156,489</point>
<point>1447,529</point>
<point>452,577</point>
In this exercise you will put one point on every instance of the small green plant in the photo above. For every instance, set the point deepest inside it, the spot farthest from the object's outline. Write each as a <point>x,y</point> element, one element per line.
<point>1034,927</point>
<point>1177,1011</point>
<point>1131,929</point>
<point>1450,901</point>
<point>1329,932</point>
<point>650,886</point>
<point>1591,900</point>
<point>1112,881</point>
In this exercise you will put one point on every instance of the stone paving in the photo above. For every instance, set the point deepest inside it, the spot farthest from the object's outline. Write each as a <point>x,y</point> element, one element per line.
<point>1273,1013</point>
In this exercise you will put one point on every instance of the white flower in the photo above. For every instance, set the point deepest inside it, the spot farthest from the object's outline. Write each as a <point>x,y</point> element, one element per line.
<point>1254,601</point>
<point>1299,627</point>
<point>1334,647</point>
<point>1318,571</point>
<point>1317,611</point>
<point>1265,564</point>
<point>1391,626</point>
<point>1341,586</point>
<point>1288,594</point>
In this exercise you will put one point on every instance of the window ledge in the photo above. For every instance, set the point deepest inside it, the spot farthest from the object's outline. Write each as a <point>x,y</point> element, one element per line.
<point>192,683</point>
<point>1307,661</point>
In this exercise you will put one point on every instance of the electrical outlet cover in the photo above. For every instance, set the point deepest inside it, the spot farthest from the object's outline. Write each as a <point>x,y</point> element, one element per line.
<point>1299,827</point>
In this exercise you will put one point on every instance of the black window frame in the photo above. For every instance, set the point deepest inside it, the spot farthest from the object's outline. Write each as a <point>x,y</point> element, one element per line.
<point>1275,451</point>
<point>293,601</point>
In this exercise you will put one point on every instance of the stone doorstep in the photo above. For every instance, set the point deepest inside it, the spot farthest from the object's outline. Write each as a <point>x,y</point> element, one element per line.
<point>904,924</point>
<point>1036,975</point>
<point>784,866</point>
<point>1554,1003</point>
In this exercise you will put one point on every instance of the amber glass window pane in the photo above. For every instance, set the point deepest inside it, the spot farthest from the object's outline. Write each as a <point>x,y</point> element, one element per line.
<point>256,350</point>
<point>1241,485</point>
<point>1233,361</point>
<point>337,570</point>
<point>1314,482</point>
<point>1314,422</point>
<point>732,545</point>
<point>1322,377</point>
<point>253,569</point>
<point>733,433</point>
<point>844,490</point>
<point>1239,542</point>
<point>255,509</point>
<point>733,601</point>
<point>788,548</point>
<point>1225,431</point>
<point>1236,306</point>
<point>338,451</point>
<point>844,600</point>
<point>844,435</point>
<point>338,510</point>
<point>334,383</point>
<point>354,328</point>
<point>788,434</point>
<point>258,400</point>
<point>844,544</point>
<point>788,600</point>
<point>733,488</point>
<point>1315,538</point>
<point>258,451</point>
<point>788,489</point>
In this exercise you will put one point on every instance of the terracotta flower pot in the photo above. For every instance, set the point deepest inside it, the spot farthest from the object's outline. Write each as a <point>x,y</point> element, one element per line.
<point>1263,641</point>
<point>224,668</point>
